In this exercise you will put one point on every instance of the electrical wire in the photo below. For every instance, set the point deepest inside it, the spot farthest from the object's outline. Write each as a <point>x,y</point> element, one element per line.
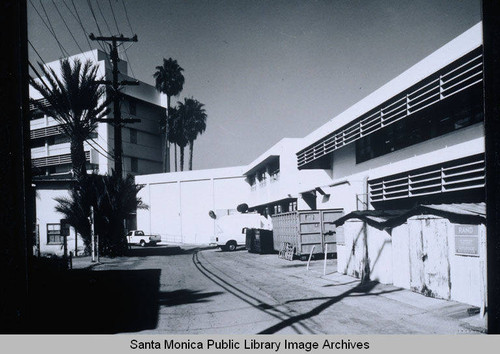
<point>126,16</point>
<point>77,18</point>
<point>93,15</point>
<point>114,17</point>
<point>48,28</point>
<point>65,24</point>
<point>104,18</point>
<point>53,30</point>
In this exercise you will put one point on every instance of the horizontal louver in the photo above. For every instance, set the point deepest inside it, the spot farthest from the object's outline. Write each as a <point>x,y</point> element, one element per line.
<point>453,176</point>
<point>56,160</point>
<point>42,101</point>
<point>463,74</point>
<point>44,132</point>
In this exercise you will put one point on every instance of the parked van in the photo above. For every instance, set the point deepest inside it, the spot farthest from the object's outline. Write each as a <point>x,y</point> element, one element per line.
<point>230,229</point>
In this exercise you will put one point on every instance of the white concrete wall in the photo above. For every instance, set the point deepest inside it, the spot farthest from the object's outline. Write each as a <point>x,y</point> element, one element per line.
<point>349,178</point>
<point>179,202</point>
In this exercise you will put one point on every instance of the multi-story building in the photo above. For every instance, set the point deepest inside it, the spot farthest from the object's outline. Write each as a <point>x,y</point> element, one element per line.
<point>51,158</point>
<point>50,149</point>
<point>414,146</point>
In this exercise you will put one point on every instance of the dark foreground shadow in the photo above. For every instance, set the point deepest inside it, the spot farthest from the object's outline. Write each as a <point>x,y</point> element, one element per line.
<point>184,296</point>
<point>162,251</point>
<point>94,302</point>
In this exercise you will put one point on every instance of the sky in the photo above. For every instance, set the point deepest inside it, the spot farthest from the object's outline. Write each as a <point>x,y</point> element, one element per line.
<point>264,70</point>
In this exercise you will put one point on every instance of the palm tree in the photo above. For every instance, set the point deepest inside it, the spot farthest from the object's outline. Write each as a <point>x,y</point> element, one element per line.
<point>75,101</point>
<point>169,80</point>
<point>177,133</point>
<point>187,121</point>
<point>113,199</point>
<point>195,124</point>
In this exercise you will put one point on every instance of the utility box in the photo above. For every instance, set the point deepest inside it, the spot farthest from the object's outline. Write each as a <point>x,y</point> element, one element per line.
<point>259,241</point>
<point>304,229</point>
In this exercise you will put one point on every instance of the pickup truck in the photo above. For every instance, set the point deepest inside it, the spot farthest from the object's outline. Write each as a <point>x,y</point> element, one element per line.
<point>138,237</point>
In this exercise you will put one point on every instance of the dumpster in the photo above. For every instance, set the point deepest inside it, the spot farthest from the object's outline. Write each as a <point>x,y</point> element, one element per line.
<point>259,241</point>
<point>302,229</point>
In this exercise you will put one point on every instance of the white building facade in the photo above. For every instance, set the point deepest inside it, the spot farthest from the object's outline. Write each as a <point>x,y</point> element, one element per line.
<point>51,158</point>
<point>418,140</point>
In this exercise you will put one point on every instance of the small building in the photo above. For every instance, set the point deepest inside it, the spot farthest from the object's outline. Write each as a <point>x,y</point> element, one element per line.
<point>179,203</point>
<point>436,250</point>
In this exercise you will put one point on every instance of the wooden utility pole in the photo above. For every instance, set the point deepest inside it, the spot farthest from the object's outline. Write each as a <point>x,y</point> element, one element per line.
<point>117,120</point>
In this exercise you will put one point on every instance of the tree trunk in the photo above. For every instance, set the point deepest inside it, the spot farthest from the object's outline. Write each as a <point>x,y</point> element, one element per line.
<point>182,157</point>
<point>166,150</point>
<point>78,161</point>
<point>191,144</point>
<point>175,156</point>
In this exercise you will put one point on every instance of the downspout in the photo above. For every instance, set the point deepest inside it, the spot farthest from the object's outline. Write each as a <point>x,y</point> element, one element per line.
<point>365,274</point>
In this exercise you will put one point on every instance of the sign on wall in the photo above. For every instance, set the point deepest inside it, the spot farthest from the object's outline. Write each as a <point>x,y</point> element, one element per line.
<point>467,240</point>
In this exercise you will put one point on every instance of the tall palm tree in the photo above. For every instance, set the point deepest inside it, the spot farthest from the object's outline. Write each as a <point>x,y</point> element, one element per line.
<point>75,100</point>
<point>195,124</point>
<point>177,132</point>
<point>169,80</point>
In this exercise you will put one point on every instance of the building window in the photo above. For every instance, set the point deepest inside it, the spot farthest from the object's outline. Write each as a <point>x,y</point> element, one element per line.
<point>459,112</point>
<point>134,164</point>
<point>132,107</point>
<point>54,236</point>
<point>133,136</point>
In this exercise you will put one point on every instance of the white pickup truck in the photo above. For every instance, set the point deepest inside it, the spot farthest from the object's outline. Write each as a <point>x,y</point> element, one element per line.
<point>137,237</point>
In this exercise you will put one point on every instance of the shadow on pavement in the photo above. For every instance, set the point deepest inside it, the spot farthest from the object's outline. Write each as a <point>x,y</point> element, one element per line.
<point>359,290</point>
<point>184,296</point>
<point>94,302</point>
<point>162,251</point>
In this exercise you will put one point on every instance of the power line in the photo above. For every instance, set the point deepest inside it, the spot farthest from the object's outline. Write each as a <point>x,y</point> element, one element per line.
<point>65,24</point>
<point>93,15</point>
<point>36,51</point>
<point>126,16</point>
<point>48,28</point>
<point>104,18</point>
<point>53,30</point>
<point>77,18</point>
<point>114,17</point>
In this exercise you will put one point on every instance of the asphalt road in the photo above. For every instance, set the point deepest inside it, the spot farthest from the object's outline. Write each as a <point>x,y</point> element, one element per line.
<point>207,291</point>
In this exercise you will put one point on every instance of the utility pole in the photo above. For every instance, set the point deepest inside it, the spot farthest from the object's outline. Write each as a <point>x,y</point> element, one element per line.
<point>117,120</point>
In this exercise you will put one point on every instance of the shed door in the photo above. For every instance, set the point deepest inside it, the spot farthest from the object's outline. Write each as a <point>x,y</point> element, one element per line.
<point>329,229</point>
<point>429,261</point>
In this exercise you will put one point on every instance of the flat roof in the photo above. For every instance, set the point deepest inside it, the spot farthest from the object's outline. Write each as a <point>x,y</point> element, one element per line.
<point>453,50</point>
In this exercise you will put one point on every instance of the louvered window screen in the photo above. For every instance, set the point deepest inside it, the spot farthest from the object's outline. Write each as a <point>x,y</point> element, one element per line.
<point>56,160</point>
<point>461,75</point>
<point>457,175</point>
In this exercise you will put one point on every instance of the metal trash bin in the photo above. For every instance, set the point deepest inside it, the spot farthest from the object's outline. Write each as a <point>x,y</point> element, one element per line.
<point>259,241</point>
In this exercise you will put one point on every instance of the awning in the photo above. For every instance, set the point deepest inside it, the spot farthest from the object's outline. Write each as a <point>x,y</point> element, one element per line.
<point>464,213</point>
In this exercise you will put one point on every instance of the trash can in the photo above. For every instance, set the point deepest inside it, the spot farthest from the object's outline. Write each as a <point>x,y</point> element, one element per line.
<point>259,241</point>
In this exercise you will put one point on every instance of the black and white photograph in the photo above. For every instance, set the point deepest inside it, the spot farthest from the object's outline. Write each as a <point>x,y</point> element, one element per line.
<point>222,168</point>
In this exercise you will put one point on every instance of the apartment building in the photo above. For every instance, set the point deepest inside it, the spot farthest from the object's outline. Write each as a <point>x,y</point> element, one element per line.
<point>51,158</point>
<point>50,149</point>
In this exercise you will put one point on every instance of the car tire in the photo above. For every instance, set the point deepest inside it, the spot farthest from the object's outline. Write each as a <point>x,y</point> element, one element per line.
<point>231,246</point>
<point>142,243</point>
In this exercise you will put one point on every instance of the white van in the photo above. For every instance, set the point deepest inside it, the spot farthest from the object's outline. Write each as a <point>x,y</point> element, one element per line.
<point>230,230</point>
